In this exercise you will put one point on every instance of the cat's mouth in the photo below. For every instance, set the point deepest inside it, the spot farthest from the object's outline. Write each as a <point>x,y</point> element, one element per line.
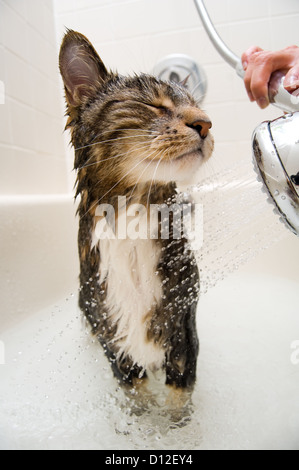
<point>196,153</point>
<point>187,157</point>
<point>176,167</point>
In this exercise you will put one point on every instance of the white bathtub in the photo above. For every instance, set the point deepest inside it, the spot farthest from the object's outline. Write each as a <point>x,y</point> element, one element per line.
<point>56,387</point>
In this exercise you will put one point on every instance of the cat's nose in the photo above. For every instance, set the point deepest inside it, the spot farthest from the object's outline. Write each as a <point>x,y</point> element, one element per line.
<point>202,126</point>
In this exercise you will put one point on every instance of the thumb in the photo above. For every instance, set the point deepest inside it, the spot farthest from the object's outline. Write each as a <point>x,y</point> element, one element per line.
<point>291,81</point>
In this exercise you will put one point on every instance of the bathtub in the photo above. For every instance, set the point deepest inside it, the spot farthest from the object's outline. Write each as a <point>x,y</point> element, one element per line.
<point>57,389</point>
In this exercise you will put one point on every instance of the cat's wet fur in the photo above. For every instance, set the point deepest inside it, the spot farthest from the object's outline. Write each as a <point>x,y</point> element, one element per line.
<point>134,137</point>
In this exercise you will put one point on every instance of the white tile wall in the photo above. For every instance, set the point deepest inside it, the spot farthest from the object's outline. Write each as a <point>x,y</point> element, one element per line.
<point>132,35</point>
<point>32,151</point>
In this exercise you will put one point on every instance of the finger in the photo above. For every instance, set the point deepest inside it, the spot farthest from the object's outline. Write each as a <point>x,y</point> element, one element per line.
<point>251,56</point>
<point>247,83</point>
<point>256,79</point>
<point>260,69</point>
<point>259,85</point>
<point>247,55</point>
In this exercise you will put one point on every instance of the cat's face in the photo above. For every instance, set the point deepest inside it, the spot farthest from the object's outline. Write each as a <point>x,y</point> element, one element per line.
<point>130,130</point>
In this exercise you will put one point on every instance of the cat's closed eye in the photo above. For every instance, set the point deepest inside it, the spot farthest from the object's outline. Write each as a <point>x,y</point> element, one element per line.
<point>155,106</point>
<point>158,107</point>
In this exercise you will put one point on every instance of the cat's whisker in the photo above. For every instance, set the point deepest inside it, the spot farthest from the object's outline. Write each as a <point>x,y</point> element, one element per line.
<point>97,162</point>
<point>129,129</point>
<point>153,178</point>
<point>140,176</point>
<point>112,140</point>
<point>156,169</point>
<point>137,143</point>
<point>166,139</point>
<point>114,186</point>
<point>176,140</point>
<point>153,153</point>
<point>135,147</point>
<point>125,129</point>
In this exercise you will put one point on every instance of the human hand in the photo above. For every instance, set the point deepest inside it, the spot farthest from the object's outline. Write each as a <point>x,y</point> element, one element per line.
<point>264,70</point>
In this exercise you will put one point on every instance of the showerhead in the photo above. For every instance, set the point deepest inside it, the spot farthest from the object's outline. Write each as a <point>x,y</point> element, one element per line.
<point>276,159</point>
<point>275,143</point>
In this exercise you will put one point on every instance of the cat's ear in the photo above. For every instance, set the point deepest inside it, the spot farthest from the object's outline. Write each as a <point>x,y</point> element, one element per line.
<point>81,68</point>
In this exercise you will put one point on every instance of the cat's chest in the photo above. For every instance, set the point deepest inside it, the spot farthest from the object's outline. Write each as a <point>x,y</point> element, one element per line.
<point>131,266</point>
<point>133,292</point>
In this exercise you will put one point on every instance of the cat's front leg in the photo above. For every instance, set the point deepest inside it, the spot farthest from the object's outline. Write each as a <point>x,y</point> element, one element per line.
<point>181,363</point>
<point>181,356</point>
<point>124,369</point>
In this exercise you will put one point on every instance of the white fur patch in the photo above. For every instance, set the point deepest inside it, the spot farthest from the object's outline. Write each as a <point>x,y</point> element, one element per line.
<point>133,289</point>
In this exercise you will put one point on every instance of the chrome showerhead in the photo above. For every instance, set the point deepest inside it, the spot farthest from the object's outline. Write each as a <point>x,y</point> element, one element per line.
<point>276,158</point>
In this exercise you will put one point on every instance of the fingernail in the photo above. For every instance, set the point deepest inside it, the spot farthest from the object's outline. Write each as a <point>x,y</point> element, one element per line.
<point>245,65</point>
<point>292,82</point>
<point>262,102</point>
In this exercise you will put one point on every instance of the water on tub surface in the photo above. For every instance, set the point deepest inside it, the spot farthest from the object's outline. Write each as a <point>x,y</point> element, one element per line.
<point>57,389</point>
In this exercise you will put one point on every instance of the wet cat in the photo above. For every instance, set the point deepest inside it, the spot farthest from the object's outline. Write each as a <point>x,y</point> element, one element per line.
<point>134,138</point>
